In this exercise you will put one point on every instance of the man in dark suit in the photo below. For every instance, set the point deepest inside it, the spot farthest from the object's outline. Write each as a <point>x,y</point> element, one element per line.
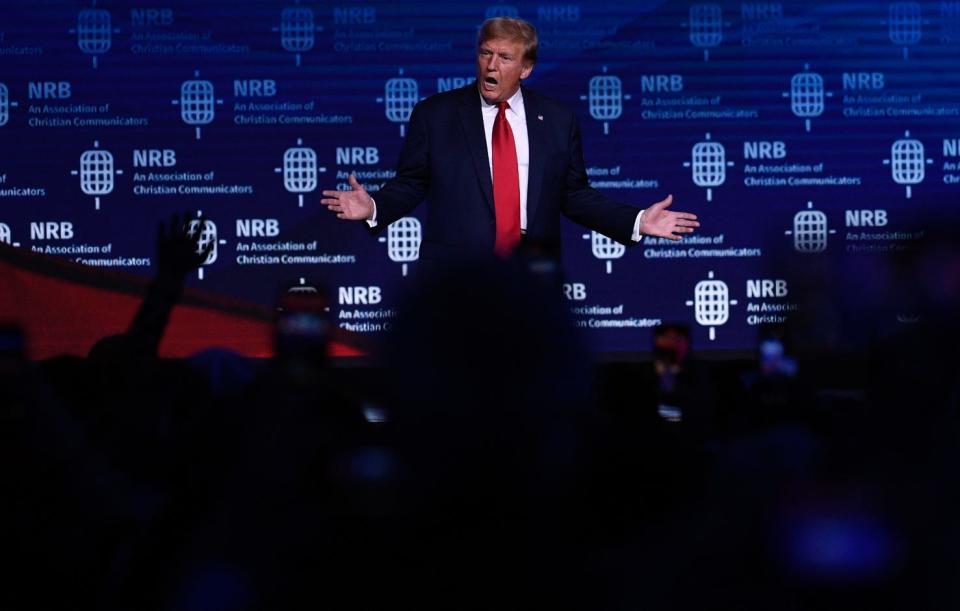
<point>498,163</point>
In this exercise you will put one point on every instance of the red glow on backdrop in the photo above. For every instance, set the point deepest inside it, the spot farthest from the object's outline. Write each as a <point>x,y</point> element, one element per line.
<point>64,308</point>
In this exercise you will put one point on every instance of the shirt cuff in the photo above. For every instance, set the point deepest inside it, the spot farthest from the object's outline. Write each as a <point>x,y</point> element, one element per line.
<point>637,236</point>
<point>372,221</point>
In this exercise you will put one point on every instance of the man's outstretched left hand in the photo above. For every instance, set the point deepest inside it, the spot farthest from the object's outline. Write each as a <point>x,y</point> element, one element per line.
<point>662,223</point>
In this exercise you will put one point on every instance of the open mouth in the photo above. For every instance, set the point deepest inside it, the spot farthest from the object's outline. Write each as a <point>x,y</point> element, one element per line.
<point>490,81</point>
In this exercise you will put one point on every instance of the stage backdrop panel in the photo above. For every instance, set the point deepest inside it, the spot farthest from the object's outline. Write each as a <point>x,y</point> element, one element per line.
<point>808,134</point>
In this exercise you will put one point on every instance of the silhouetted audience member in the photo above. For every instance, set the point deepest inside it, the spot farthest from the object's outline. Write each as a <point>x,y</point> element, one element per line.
<point>686,392</point>
<point>774,393</point>
<point>68,509</point>
<point>291,525</point>
<point>128,417</point>
<point>487,476</point>
<point>492,418</point>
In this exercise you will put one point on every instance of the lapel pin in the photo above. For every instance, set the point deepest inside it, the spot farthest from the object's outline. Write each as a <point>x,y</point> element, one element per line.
<point>539,117</point>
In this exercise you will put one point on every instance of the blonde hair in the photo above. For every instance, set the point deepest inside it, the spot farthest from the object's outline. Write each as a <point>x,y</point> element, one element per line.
<point>511,29</point>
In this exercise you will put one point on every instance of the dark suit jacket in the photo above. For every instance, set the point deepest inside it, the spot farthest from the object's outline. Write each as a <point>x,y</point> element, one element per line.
<point>444,162</point>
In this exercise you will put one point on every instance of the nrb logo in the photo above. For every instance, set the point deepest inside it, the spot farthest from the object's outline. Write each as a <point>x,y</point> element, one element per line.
<point>711,303</point>
<point>5,104</point>
<point>300,170</point>
<point>94,31</point>
<point>907,162</point>
<point>905,22</point>
<point>6,236</point>
<point>400,95</point>
<point>96,173</point>
<point>604,248</point>
<point>605,98</point>
<point>403,241</point>
<point>706,27</point>
<point>297,30</point>
<point>708,164</point>
<point>208,239</point>
<point>807,95</point>
<point>810,230</point>
<point>197,102</point>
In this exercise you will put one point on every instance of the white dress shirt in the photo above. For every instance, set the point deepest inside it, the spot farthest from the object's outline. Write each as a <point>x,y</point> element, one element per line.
<point>518,123</point>
<point>517,119</point>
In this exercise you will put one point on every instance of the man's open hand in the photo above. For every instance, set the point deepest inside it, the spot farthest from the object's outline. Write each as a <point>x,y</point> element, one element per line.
<point>662,223</point>
<point>355,205</point>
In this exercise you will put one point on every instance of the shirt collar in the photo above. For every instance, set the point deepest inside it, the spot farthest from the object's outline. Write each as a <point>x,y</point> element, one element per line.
<point>515,101</point>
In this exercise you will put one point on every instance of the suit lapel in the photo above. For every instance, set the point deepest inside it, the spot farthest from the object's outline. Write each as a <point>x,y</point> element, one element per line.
<point>536,142</point>
<point>471,118</point>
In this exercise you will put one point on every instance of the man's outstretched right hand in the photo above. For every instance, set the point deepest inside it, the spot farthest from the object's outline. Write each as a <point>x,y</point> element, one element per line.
<point>354,205</point>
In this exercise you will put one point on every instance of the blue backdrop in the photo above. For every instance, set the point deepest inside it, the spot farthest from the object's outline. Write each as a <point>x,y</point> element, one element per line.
<point>800,132</point>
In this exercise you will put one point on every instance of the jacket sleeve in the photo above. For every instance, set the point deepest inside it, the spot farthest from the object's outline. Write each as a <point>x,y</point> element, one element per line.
<point>404,192</point>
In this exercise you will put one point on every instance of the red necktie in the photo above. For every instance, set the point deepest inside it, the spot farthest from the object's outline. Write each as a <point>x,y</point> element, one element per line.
<point>506,185</point>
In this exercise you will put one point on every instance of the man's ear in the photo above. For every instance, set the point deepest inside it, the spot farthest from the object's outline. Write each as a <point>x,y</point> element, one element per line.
<point>527,69</point>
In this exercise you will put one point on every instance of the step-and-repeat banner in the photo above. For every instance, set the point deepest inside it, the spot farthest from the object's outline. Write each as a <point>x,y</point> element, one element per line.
<point>800,132</point>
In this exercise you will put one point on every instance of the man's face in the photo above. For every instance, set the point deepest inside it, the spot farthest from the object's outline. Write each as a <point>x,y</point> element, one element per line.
<point>500,67</point>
